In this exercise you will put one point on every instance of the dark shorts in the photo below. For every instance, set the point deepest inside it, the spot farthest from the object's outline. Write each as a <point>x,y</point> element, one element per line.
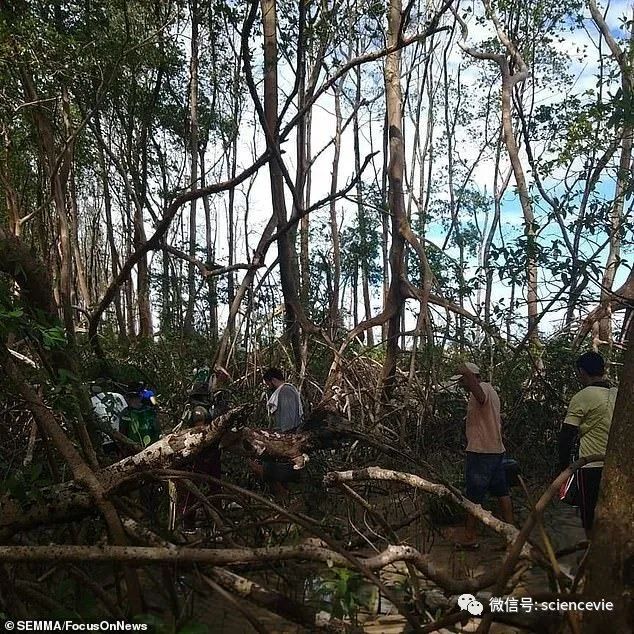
<point>274,471</point>
<point>279,470</point>
<point>589,483</point>
<point>485,473</point>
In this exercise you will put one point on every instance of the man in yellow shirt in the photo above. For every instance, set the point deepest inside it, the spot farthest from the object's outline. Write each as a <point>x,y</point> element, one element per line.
<point>590,415</point>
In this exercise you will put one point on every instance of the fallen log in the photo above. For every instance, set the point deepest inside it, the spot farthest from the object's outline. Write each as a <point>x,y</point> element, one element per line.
<point>243,556</point>
<point>70,500</point>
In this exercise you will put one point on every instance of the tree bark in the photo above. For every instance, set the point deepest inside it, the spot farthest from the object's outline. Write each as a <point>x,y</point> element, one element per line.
<point>361,220</point>
<point>334,318</point>
<point>396,200</point>
<point>65,502</point>
<point>285,244</point>
<point>78,261</point>
<point>510,79</point>
<point>625,61</point>
<point>188,326</point>
<point>611,559</point>
<point>210,242</point>
<point>57,174</point>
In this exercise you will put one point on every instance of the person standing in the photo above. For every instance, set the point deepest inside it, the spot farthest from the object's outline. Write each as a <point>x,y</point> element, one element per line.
<point>205,404</point>
<point>589,415</point>
<point>484,459</point>
<point>285,406</point>
<point>285,403</point>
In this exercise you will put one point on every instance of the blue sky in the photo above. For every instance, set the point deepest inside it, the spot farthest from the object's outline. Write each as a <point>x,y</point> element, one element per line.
<point>583,70</point>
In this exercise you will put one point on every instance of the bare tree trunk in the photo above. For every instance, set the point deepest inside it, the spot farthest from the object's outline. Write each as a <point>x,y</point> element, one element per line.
<point>334,318</point>
<point>625,60</point>
<point>394,104</point>
<point>80,268</point>
<point>143,278</point>
<point>233,160</point>
<point>285,243</point>
<point>611,560</point>
<point>58,178</point>
<point>363,222</point>
<point>385,225</point>
<point>510,79</point>
<point>304,222</point>
<point>231,290</point>
<point>525,201</point>
<point>210,249</point>
<point>301,149</point>
<point>188,326</point>
<point>498,192</point>
<point>355,297</point>
<point>138,166</point>
<point>450,128</point>
<point>72,200</point>
<point>129,287</point>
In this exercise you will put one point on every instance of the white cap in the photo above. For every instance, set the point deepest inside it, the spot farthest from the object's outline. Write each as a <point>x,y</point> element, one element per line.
<point>470,366</point>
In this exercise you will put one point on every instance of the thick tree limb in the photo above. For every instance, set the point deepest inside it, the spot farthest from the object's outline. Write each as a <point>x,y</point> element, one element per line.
<point>70,500</point>
<point>248,590</point>
<point>242,556</point>
<point>622,298</point>
<point>507,531</point>
<point>274,602</point>
<point>170,450</point>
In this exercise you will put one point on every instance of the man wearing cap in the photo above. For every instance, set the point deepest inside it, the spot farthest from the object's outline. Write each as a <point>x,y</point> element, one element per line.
<point>484,466</point>
<point>589,415</point>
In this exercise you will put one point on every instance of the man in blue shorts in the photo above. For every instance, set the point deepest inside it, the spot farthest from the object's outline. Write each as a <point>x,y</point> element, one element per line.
<point>484,462</point>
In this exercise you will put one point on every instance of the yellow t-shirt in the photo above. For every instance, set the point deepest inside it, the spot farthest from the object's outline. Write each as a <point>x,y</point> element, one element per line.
<point>591,410</point>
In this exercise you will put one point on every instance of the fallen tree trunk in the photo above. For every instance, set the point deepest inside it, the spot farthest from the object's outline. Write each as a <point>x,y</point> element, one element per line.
<point>244,556</point>
<point>70,500</point>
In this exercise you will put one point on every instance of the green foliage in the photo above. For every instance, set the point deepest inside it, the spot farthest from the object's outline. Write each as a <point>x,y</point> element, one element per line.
<point>345,592</point>
<point>15,319</point>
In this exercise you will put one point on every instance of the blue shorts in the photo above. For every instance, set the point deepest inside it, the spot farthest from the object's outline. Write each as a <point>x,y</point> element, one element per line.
<point>485,473</point>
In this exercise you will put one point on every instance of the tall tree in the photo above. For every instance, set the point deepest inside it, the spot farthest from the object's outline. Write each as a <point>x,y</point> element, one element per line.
<point>611,559</point>
<point>623,182</point>
<point>513,70</point>
<point>396,200</point>
<point>188,326</point>
<point>289,273</point>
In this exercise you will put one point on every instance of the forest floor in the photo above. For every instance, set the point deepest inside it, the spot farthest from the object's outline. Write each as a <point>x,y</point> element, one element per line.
<point>563,527</point>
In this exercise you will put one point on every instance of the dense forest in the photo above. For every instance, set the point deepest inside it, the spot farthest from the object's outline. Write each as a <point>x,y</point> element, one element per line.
<point>367,197</point>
